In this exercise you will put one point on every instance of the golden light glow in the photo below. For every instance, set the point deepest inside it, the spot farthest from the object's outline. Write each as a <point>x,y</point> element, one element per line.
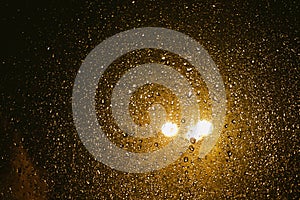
<point>169,129</point>
<point>201,129</point>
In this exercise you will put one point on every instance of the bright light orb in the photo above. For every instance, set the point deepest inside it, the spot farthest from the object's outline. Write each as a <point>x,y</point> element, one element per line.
<point>201,129</point>
<point>169,129</point>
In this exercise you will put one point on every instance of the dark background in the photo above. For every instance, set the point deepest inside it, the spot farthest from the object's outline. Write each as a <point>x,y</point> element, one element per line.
<point>255,44</point>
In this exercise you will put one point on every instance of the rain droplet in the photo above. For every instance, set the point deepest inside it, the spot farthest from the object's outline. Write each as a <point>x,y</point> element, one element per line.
<point>229,153</point>
<point>193,140</point>
<point>186,159</point>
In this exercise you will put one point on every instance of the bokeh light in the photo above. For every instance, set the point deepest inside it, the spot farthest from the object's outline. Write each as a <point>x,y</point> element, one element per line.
<point>201,129</point>
<point>169,129</point>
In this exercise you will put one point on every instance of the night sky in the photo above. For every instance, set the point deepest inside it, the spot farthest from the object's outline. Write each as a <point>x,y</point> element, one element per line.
<point>255,45</point>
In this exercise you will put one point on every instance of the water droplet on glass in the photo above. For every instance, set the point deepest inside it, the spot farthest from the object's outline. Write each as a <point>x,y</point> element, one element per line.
<point>193,140</point>
<point>229,153</point>
<point>191,148</point>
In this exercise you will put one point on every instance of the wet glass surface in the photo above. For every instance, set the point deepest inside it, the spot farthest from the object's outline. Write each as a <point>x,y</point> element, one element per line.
<point>254,45</point>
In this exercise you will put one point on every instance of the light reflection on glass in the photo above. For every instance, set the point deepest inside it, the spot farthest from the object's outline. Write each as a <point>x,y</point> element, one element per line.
<point>169,129</point>
<point>201,129</point>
